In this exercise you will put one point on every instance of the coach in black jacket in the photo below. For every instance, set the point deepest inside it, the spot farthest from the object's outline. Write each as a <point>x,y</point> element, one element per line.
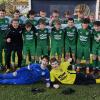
<point>14,42</point>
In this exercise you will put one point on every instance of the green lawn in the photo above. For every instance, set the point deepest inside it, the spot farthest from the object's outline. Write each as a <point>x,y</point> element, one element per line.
<point>23,92</point>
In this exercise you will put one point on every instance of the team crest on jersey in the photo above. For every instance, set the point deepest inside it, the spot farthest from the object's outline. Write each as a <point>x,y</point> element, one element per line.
<point>87,33</point>
<point>80,32</point>
<point>45,31</point>
<point>31,32</point>
<point>6,21</point>
<point>73,30</point>
<point>60,32</point>
<point>55,32</point>
<point>43,73</point>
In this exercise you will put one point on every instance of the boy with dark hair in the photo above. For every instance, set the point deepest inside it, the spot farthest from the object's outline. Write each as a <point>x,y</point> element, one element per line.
<point>83,43</point>
<point>4,23</point>
<point>14,42</point>
<point>42,40</point>
<point>92,19</point>
<point>31,18</point>
<point>54,17</point>
<point>43,17</point>
<point>67,15</point>
<point>29,44</point>
<point>16,15</point>
<point>57,40</point>
<point>70,40</point>
<point>29,74</point>
<point>96,45</point>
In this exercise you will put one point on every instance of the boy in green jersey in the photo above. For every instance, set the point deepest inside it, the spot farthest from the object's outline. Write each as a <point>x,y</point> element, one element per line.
<point>29,42</point>
<point>83,43</point>
<point>57,40</point>
<point>92,19</point>
<point>42,41</point>
<point>4,22</point>
<point>78,20</point>
<point>70,40</point>
<point>96,45</point>
<point>31,18</point>
<point>43,17</point>
<point>54,18</point>
<point>16,15</point>
<point>67,15</point>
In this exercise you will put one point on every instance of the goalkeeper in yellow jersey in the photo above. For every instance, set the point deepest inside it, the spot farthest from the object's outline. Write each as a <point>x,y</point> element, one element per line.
<point>61,73</point>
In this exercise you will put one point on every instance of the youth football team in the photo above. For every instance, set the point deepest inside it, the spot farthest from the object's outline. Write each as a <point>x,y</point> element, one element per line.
<point>67,41</point>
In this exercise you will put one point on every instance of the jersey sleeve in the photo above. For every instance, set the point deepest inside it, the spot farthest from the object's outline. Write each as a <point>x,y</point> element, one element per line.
<point>47,77</point>
<point>32,66</point>
<point>65,65</point>
<point>52,78</point>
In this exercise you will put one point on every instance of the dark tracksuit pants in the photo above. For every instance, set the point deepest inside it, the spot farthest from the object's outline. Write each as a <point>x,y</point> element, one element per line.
<point>19,54</point>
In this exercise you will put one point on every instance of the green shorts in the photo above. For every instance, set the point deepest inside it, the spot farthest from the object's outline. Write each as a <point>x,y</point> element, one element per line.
<point>41,50</point>
<point>69,48</point>
<point>96,50</point>
<point>29,49</point>
<point>83,51</point>
<point>56,50</point>
<point>2,45</point>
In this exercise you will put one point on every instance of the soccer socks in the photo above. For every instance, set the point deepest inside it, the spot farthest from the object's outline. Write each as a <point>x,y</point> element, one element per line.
<point>99,64</point>
<point>23,62</point>
<point>32,60</point>
<point>0,57</point>
<point>37,62</point>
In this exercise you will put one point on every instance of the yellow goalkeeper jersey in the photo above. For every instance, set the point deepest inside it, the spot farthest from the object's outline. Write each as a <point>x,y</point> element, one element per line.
<point>62,74</point>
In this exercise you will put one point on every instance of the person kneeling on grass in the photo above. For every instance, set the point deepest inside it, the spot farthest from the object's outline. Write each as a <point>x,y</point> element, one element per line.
<point>61,73</point>
<point>29,74</point>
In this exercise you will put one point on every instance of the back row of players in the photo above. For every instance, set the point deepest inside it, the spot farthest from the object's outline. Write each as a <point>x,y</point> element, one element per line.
<point>76,37</point>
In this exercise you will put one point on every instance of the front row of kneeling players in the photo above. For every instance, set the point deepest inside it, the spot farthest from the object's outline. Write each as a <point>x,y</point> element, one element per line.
<point>59,72</point>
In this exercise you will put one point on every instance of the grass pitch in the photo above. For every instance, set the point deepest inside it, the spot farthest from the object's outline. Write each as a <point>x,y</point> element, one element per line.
<point>23,92</point>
